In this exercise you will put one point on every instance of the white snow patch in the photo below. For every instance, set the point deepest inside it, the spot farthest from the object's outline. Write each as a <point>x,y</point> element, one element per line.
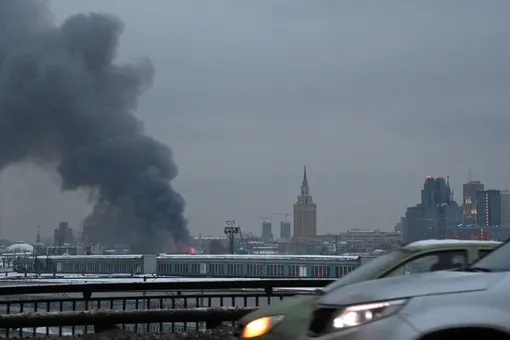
<point>262,257</point>
<point>432,242</point>
<point>132,280</point>
<point>89,257</point>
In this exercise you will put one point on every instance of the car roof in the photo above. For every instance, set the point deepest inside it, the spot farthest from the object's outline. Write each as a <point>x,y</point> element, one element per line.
<point>433,244</point>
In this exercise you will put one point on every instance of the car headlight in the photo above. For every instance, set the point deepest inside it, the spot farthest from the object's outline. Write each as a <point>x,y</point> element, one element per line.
<point>260,326</point>
<point>359,314</point>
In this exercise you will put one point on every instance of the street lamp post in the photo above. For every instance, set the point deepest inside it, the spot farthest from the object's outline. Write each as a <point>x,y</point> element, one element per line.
<point>231,230</point>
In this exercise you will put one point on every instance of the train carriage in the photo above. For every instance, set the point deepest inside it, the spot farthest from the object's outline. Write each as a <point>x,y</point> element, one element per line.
<point>249,266</point>
<point>87,264</point>
<point>312,266</point>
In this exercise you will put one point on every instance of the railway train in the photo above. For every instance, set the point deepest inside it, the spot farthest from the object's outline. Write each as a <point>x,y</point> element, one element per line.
<point>86,264</point>
<point>250,266</point>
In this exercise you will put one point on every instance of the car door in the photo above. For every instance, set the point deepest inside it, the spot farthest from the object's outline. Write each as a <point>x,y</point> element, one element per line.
<point>424,262</point>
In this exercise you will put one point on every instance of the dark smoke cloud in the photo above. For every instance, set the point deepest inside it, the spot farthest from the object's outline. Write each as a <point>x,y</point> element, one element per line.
<point>63,101</point>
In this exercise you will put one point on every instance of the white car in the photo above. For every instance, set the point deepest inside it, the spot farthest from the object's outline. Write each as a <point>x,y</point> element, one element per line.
<point>468,303</point>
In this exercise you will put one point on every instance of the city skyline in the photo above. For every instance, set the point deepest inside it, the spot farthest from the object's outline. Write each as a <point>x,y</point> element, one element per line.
<point>301,83</point>
<point>303,194</point>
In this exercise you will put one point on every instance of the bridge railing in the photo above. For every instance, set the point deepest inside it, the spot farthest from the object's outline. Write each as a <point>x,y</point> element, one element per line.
<point>68,309</point>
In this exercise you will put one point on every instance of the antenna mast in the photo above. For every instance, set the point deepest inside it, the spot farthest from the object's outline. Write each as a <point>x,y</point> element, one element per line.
<point>470,179</point>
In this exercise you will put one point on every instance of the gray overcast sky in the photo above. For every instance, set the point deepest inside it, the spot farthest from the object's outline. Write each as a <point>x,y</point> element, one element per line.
<point>371,95</point>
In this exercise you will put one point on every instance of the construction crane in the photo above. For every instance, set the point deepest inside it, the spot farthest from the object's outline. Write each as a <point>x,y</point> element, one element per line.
<point>284,214</point>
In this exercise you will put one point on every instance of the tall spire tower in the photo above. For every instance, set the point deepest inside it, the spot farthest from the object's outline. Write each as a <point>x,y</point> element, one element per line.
<point>450,190</point>
<point>305,189</point>
<point>38,238</point>
<point>305,212</point>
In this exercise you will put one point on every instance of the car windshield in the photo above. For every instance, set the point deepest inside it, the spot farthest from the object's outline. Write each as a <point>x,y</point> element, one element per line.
<point>369,270</point>
<point>497,260</point>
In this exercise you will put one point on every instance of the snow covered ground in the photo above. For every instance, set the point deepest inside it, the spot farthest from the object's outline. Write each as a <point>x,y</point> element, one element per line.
<point>220,333</point>
<point>79,279</point>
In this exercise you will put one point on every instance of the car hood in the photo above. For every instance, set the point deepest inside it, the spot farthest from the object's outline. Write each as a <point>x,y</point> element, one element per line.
<point>441,282</point>
<point>287,306</point>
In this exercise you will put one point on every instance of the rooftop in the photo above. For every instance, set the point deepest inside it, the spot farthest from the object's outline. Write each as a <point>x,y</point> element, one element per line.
<point>264,257</point>
<point>448,243</point>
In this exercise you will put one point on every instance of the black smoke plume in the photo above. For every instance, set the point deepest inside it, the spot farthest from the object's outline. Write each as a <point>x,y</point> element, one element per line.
<point>64,101</point>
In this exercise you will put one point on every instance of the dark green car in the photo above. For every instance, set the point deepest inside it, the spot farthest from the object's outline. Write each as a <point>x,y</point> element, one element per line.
<point>289,318</point>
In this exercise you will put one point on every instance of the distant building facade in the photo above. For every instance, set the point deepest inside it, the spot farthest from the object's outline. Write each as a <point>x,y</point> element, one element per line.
<point>285,230</point>
<point>437,210</point>
<point>469,201</point>
<point>63,235</point>
<point>365,238</point>
<point>477,232</point>
<point>493,208</point>
<point>400,225</point>
<point>505,207</point>
<point>267,230</point>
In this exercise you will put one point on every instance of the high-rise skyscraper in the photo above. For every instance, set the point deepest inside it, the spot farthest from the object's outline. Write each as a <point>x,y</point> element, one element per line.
<point>505,207</point>
<point>305,212</point>
<point>435,192</point>
<point>469,200</point>
<point>493,208</point>
<point>435,213</point>
<point>63,234</point>
<point>285,231</point>
<point>267,230</point>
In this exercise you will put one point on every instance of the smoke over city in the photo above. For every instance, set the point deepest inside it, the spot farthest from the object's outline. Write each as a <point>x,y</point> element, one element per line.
<point>64,101</point>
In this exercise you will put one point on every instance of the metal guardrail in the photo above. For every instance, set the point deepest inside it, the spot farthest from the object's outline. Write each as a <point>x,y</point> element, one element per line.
<point>106,320</point>
<point>88,288</point>
<point>23,307</point>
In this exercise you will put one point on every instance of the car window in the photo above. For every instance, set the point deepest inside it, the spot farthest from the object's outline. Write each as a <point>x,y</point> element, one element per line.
<point>483,252</point>
<point>370,270</point>
<point>440,260</point>
<point>497,260</point>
